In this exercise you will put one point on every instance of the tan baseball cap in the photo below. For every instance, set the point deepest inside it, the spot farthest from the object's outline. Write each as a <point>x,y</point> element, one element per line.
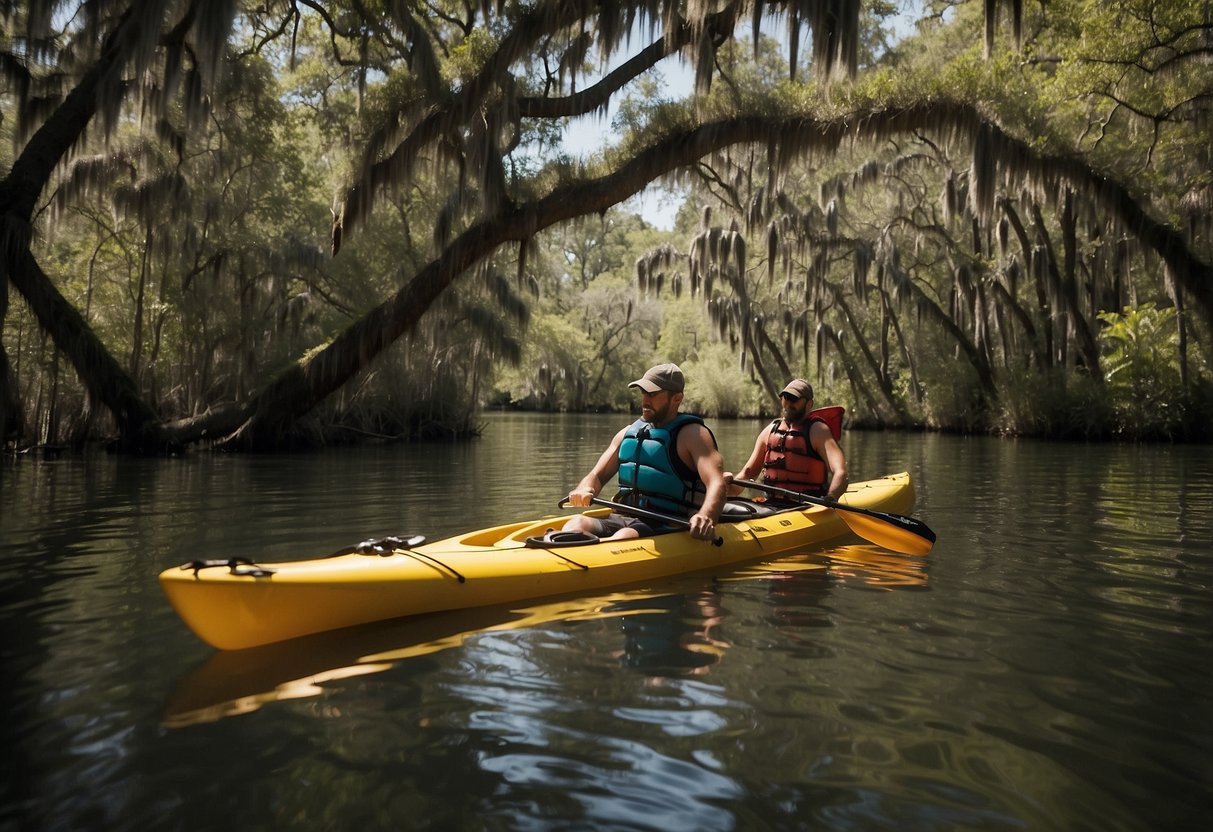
<point>666,377</point>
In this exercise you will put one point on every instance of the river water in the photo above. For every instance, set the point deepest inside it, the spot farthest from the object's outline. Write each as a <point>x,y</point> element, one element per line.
<point>1048,666</point>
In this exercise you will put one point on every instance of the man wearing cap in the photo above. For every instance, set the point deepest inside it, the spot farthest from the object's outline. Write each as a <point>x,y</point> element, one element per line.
<point>798,451</point>
<point>667,462</point>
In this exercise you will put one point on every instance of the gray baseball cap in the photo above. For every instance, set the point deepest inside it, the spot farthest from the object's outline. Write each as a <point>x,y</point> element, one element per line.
<point>799,388</point>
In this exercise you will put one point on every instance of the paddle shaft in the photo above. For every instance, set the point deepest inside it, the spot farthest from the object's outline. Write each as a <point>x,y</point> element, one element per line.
<point>893,531</point>
<point>823,501</point>
<point>644,514</point>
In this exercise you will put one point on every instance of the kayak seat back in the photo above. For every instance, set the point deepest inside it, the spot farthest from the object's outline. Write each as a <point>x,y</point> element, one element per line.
<point>737,510</point>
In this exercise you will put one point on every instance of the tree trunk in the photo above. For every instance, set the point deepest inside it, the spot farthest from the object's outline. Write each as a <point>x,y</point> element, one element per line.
<point>855,377</point>
<point>1071,311</point>
<point>1042,347</point>
<point>784,370</point>
<point>102,376</point>
<point>758,336</point>
<point>310,379</point>
<point>905,348</point>
<point>984,373</point>
<point>883,383</point>
<point>12,423</point>
<point>140,295</point>
<point>1020,314</point>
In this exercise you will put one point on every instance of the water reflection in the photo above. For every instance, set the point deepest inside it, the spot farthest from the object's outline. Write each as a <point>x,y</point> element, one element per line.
<point>662,634</point>
<point>235,682</point>
<point>1045,667</point>
<point>858,564</point>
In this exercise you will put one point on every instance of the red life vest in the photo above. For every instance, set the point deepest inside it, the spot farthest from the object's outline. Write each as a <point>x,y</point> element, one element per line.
<point>790,460</point>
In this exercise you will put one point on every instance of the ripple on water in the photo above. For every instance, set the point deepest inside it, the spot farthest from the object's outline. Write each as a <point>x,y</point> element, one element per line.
<point>639,789</point>
<point>1045,667</point>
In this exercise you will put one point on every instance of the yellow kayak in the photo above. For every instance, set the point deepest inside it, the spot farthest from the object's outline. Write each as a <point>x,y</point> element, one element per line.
<point>235,605</point>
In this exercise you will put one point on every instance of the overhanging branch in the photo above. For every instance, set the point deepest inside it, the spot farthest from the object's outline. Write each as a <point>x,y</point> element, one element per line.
<point>787,139</point>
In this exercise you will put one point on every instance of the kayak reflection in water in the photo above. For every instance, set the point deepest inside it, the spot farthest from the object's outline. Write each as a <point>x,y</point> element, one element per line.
<point>673,635</point>
<point>667,462</point>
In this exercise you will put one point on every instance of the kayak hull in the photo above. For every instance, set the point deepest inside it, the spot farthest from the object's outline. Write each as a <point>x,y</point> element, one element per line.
<point>246,606</point>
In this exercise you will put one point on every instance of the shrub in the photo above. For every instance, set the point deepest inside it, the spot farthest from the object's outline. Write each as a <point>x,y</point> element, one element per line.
<point>1141,368</point>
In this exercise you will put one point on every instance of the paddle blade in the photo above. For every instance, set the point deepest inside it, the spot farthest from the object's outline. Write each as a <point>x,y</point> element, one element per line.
<point>895,532</point>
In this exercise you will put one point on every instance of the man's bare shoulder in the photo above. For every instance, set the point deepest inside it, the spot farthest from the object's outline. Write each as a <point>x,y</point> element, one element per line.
<point>820,434</point>
<point>695,436</point>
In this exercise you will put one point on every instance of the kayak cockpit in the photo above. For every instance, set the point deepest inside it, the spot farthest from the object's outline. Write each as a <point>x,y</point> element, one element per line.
<point>734,511</point>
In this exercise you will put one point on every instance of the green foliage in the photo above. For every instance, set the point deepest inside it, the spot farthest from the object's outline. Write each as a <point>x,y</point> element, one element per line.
<point>1141,396</point>
<point>1053,403</point>
<point>592,333</point>
<point>937,255</point>
<point>684,329</point>
<point>550,372</point>
<point>470,54</point>
<point>716,386</point>
<point>1142,370</point>
<point>953,400</point>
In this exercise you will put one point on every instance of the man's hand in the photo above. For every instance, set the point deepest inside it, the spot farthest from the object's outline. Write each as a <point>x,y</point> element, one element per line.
<point>580,497</point>
<point>702,527</point>
<point>731,490</point>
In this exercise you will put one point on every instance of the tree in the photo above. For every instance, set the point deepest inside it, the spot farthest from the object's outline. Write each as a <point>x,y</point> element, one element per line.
<point>917,225</point>
<point>457,107</point>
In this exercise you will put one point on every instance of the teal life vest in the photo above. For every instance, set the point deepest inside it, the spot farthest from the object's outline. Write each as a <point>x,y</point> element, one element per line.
<point>652,475</point>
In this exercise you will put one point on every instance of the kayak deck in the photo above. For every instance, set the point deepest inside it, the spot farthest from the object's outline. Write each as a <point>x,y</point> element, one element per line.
<point>249,604</point>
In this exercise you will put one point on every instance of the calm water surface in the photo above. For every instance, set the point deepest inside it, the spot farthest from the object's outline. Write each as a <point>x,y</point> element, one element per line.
<point>1047,666</point>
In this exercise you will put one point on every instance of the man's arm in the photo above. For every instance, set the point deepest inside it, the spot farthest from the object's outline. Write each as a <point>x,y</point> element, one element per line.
<point>753,465</point>
<point>829,450</point>
<point>697,449</point>
<point>605,468</point>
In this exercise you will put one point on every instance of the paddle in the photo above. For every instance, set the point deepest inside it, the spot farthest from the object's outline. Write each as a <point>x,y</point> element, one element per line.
<point>903,534</point>
<point>643,514</point>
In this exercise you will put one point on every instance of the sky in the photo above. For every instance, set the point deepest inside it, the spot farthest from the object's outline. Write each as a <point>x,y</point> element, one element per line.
<point>589,134</point>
